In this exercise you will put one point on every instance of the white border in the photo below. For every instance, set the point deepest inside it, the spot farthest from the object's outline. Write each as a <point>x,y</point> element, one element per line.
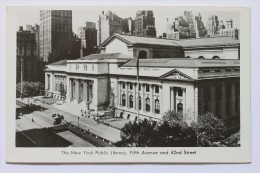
<point>184,168</point>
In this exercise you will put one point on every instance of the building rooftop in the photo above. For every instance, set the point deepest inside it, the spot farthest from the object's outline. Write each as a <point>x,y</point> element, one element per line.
<point>208,41</point>
<point>182,63</point>
<point>106,56</point>
<point>186,43</point>
<point>60,62</point>
<point>130,39</point>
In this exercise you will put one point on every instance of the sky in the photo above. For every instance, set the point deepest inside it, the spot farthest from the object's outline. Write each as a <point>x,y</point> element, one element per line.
<point>31,15</point>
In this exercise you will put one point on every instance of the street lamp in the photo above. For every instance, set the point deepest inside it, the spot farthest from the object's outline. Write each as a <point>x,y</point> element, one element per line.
<point>138,85</point>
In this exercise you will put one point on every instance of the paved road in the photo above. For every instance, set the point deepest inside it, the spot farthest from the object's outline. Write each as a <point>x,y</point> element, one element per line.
<point>104,131</point>
<point>74,139</point>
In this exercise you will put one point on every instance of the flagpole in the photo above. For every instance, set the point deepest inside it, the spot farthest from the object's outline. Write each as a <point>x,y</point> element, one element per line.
<point>137,78</point>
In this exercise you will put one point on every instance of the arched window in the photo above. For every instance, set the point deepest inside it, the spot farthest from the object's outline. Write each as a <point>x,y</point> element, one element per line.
<point>131,102</point>
<point>201,57</point>
<point>147,107</point>
<point>187,57</point>
<point>179,107</point>
<point>215,57</point>
<point>157,106</point>
<point>140,103</point>
<point>142,54</point>
<point>123,100</point>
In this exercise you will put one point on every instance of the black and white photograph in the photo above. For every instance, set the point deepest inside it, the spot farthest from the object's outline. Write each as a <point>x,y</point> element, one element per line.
<point>124,79</point>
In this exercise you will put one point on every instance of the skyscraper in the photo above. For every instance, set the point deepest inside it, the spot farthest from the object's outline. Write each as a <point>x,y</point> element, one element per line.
<point>189,18</point>
<point>145,24</point>
<point>212,25</point>
<point>128,26</point>
<point>26,47</point>
<point>55,34</point>
<point>200,29</point>
<point>108,24</point>
<point>88,36</point>
<point>229,31</point>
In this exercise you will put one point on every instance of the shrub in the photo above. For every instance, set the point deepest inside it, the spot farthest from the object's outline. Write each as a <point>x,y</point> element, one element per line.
<point>209,129</point>
<point>29,88</point>
<point>170,132</point>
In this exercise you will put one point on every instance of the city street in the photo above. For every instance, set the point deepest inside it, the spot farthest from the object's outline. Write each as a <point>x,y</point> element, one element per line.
<point>107,132</point>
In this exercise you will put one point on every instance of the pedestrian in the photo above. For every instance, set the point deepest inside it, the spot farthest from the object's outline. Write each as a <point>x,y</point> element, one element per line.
<point>32,120</point>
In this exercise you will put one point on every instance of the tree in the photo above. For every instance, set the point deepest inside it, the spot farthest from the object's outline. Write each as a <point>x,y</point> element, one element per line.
<point>29,88</point>
<point>169,132</point>
<point>209,129</point>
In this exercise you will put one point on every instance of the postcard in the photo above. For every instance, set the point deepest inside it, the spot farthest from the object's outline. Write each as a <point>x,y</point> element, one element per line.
<point>138,84</point>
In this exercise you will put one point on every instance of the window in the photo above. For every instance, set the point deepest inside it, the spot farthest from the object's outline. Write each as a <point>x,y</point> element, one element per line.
<point>147,88</point>
<point>215,57</point>
<point>147,108</point>
<point>201,57</point>
<point>131,101</point>
<point>179,92</point>
<point>157,106</point>
<point>156,88</point>
<point>140,103</point>
<point>123,100</point>
<point>123,85</point>
<point>131,86</point>
<point>179,107</point>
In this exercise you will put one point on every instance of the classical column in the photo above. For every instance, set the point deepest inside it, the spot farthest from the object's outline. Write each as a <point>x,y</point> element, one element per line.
<point>184,100</point>
<point>143,97</point>
<point>233,99</point>
<point>86,90</point>
<point>119,93</point>
<point>213,100</point>
<point>77,90</point>
<point>67,89</point>
<point>127,98</point>
<point>223,101</point>
<point>201,103</point>
<point>172,97</point>
<point>152,109</point>
<point>161,99</point>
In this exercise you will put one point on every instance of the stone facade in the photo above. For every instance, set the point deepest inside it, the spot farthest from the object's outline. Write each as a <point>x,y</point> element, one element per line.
<point>190,86</point>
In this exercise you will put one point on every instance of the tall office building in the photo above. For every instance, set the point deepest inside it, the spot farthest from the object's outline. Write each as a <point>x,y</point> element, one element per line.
<point>55,34</point>
<point>128,26</point>
<point>188,16</point>
<point>26,51</point>
<point>88,37</point>
<point>212,25</point>
<point>229,31</point>
<point>200,29</point>
<point>145,24</point>
<point>179,28</point>
<point>108,24</point>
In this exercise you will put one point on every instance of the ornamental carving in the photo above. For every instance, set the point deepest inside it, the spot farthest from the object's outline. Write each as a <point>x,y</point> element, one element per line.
<point>176,75</point>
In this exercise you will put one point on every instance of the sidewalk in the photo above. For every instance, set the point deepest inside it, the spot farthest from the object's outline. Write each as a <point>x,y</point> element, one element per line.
<point>104,131</point>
